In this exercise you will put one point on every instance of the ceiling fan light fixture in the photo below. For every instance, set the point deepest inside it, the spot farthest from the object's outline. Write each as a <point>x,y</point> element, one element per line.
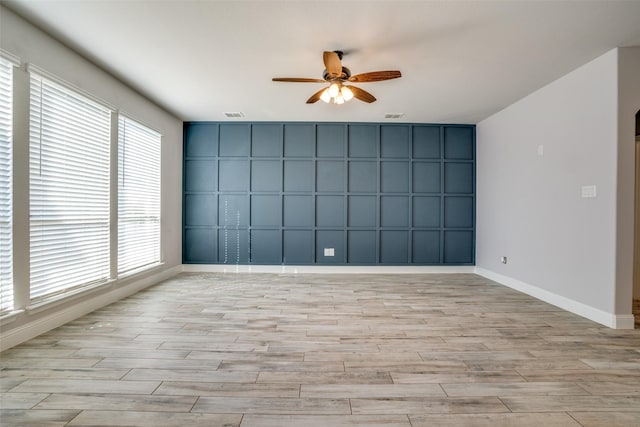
<point>334,90</point>
<point>336,75</point>
<point>346,93</point>
<point>325,95</point>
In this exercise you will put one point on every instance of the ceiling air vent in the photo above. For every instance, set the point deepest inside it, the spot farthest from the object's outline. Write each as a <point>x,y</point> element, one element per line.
<point>234,114</point>
<point>393,115</point>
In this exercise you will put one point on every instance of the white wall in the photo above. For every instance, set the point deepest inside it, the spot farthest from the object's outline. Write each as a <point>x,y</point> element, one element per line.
<point>628,106</point>
<point>33,46</point>
<point>560,247</point>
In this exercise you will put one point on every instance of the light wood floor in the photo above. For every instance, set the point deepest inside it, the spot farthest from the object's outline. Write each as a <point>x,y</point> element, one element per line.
<point>323,350</point>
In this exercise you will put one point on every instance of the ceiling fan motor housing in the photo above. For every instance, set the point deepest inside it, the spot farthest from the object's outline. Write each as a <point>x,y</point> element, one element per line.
<point>346,73</point>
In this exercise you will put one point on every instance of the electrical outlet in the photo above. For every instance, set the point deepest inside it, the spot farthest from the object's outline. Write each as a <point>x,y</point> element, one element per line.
<point>503,259</point>
<point>329,252</point>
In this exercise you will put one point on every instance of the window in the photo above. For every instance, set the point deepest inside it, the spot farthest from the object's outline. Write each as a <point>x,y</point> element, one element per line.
<point>138,196</point>
<point>6,194</point>
<point>69,190</point>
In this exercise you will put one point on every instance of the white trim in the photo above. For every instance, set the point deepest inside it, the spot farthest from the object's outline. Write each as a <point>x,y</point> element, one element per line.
<point>623,321</point>
<point>9,317</point>
<point>64,297</point>
<point>113,197</point>
<point>14,59</point>
<point>37,327</point>
<point>324,269</point>
<point>616,321</point>
<point>131,117</point>
<point>34,69</point>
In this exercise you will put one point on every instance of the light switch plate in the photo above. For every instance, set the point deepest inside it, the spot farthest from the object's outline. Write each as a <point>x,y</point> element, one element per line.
<point>588,191</point>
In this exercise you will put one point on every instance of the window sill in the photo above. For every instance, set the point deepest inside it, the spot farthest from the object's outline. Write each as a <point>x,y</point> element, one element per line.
<point>56,300</point>
<point>146,269</point>
<point>9,317</point>
<point>68,296</point>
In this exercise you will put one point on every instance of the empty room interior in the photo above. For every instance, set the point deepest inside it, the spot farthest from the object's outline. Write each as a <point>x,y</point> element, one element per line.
<point>321,213</point>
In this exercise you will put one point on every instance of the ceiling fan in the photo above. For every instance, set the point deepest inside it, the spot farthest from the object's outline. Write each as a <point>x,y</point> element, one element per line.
<point>338,92</point>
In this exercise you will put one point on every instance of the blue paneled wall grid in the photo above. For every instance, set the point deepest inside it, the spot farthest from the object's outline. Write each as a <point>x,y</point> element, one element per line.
<point>328,193</point>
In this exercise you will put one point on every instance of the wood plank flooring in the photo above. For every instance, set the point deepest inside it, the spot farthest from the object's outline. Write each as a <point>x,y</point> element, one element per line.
<point>325,350</point>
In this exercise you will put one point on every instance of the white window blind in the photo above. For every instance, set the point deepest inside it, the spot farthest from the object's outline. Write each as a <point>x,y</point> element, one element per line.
<point>138,196</point>
<point>6,171</point>
<point>69,190</point>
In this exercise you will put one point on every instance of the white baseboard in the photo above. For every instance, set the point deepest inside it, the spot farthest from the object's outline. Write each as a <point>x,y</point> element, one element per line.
<point>42,324</point>
<point>624,321</point>
<point>616,321</point>
<point>325,269</point>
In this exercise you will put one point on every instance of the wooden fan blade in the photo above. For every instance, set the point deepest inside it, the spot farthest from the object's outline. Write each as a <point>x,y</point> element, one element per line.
<point>316,96</point>
<point>332,64</point>
<point>375,76</point>
<point>362,95</point>
<point>297,80</point>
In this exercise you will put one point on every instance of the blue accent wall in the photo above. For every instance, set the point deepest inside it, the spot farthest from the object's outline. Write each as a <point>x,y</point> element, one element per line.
<point>280,193</point>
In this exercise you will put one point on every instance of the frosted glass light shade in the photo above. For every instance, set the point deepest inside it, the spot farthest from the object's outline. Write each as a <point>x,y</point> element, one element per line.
<point>347,94</point>
<point>334,90</point>
<point>325,95</point>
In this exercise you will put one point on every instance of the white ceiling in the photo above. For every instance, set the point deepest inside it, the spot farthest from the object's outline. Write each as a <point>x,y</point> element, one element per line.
<point>461,61</point>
